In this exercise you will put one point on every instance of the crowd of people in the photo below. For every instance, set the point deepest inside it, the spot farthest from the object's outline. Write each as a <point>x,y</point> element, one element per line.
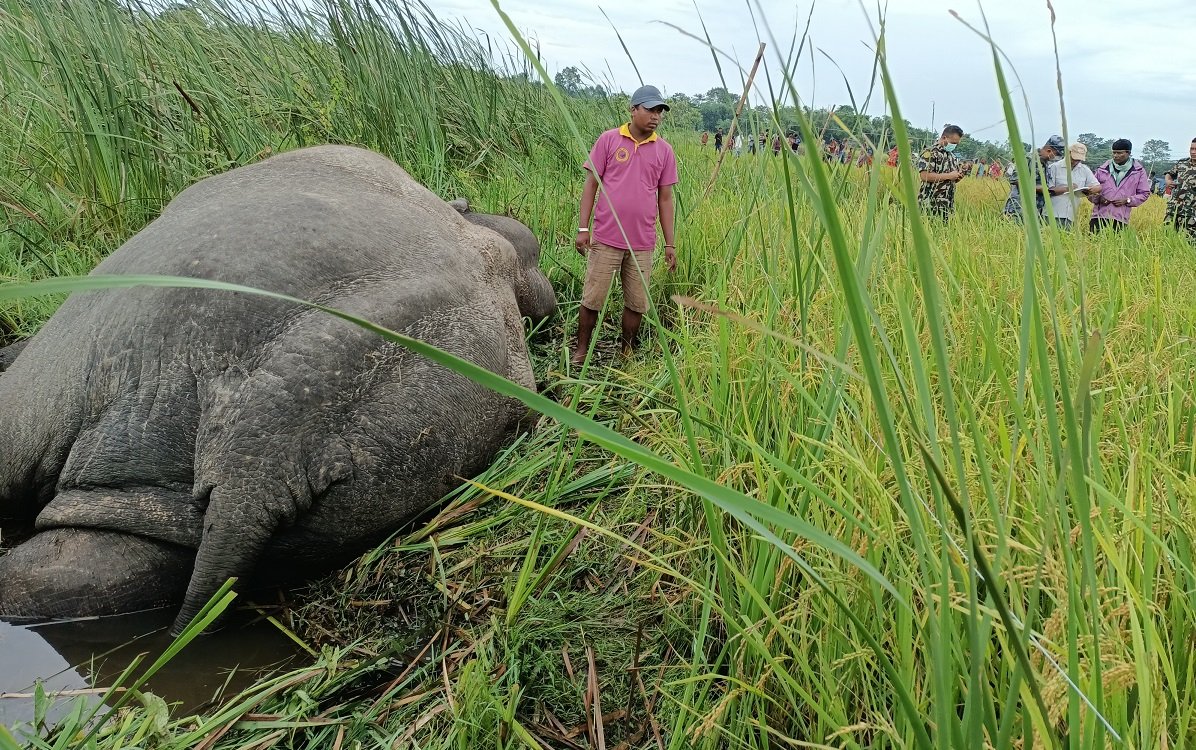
<point>1114,187</point>
<point>843,152</point>
<point>760,142</point>
<point>1062,180</point>
<point>631,171</point>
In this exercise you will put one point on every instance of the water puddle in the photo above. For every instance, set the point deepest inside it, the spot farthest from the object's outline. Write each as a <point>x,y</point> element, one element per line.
<point>76,658</point>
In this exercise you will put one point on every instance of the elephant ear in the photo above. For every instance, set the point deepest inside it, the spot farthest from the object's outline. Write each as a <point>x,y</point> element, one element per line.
<point>533,292</point>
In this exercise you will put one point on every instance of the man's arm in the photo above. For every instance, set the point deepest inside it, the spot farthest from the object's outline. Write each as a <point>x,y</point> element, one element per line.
<point>588,193</point>
<point>1141,191</point>
<point>925,169</point>
<point>928,170</point>
<point>1042,179</point>
<point>1057,183</point>
<point>1057,179</point>
<point>667,210</point>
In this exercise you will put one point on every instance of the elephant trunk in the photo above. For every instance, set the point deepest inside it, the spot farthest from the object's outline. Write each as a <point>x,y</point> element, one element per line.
<point>240,521</point>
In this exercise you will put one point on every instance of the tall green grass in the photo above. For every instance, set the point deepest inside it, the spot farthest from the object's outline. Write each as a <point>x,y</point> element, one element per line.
<point>109,110</point>
<point>905,485</point>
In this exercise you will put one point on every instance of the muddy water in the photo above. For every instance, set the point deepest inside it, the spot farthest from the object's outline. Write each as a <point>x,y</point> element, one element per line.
<point>92,653</point>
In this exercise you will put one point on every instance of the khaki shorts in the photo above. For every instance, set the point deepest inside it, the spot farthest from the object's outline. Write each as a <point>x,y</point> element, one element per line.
<point>601,263</point>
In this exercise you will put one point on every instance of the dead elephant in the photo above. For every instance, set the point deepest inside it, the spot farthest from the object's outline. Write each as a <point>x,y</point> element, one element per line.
<point>162,440</point>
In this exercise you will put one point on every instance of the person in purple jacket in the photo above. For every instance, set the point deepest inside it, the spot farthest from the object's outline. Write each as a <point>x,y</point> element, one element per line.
<point>1124,185</point>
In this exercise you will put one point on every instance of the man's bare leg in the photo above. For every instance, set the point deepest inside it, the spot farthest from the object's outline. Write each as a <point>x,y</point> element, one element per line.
<point>586,320</point>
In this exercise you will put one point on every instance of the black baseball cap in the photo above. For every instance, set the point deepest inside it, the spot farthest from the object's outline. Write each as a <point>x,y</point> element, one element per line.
<point>648,97</point>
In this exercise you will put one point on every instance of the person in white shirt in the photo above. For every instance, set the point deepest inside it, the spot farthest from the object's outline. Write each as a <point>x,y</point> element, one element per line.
<point>1065,198</point>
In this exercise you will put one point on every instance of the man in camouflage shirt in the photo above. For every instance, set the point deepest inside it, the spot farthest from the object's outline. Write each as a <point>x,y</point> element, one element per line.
<point>939,170</point>
<point>1181,209</point>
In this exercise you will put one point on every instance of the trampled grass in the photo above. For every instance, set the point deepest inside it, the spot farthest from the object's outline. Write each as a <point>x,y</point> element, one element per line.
<point>955,461</point>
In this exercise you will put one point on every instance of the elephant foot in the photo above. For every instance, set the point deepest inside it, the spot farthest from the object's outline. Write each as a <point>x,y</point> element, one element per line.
<point>73,572</point>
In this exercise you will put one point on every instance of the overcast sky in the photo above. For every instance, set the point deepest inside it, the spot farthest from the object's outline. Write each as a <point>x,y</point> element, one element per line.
<point>1129,67</point>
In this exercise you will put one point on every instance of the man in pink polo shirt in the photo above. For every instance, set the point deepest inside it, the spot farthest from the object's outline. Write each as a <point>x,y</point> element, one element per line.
<point>629,183</point>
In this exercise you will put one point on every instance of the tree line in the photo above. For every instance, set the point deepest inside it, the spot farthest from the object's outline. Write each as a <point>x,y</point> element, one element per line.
<point>716,108</point>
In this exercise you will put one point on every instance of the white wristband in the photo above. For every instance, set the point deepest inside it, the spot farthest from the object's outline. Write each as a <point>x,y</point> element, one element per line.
<point>583,229</point>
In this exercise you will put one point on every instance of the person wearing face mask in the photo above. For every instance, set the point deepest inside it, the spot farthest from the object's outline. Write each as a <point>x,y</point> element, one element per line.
<point>939,171</point>
<point>1050,151</point>
<point>1181,209</point>
<point>1124,185</point>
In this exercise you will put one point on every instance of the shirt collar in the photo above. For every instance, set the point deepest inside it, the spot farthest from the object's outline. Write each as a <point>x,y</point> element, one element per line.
<point>625,129</point>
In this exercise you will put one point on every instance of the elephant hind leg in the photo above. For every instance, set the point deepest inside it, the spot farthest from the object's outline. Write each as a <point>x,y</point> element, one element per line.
<point>72,572</point>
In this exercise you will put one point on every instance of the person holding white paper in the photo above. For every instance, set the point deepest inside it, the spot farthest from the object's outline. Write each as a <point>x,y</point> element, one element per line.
<point>1065,198</point>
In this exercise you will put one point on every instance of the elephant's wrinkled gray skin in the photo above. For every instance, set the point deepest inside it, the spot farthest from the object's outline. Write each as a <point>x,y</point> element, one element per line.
<point>8,354</point>
<point>532,287</point>
<point>163,440</point>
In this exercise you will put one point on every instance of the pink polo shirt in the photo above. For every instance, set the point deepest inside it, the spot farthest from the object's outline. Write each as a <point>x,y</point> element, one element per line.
<point>629,175</point>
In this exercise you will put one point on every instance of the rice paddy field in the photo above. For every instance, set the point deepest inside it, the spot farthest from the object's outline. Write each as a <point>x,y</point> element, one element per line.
<point>873,482</point>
